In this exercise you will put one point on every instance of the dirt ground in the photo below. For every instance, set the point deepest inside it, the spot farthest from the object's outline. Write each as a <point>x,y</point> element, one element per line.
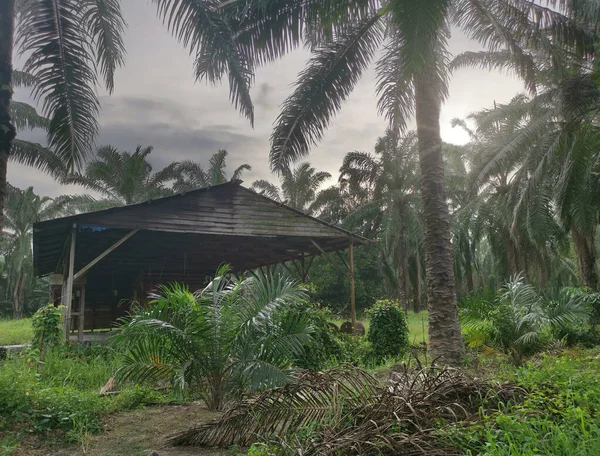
<point>137,433</point>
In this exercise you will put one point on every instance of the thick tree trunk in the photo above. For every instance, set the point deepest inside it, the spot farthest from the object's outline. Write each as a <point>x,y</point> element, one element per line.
<point>445,340</point>
<point>7,129</point>
<point>586,257</point>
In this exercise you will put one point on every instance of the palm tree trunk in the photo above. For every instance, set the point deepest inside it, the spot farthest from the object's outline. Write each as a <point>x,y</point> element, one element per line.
<point>469,266</point>
<point>18,296</point>
<point>402,272</point>
<point>512,260</point>
<point>586,257</point>
<point>419,292</point>
<point>7,129</point>
<point>445,340</point>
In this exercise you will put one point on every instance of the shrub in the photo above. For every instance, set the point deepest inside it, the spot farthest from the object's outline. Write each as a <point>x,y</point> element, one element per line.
<point>47,327</point>
<point>520,322</point>
<point>326,344</point>
<point>388,331</point>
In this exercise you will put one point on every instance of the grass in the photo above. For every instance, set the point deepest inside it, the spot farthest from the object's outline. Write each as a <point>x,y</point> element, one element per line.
<point>15,332</point>
<point>417,326</point>
<point>58,396</point>
<point>559,415</point>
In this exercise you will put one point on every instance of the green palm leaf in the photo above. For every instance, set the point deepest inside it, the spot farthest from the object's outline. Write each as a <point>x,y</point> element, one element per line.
<point>204,29</point>
<point>321,88</point>
<point>52,34</point>
<point>106,25</point>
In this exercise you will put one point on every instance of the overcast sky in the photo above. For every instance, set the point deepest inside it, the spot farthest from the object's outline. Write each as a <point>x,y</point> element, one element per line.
<point>156,102</point>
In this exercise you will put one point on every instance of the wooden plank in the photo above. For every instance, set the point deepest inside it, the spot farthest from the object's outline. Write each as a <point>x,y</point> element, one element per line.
<point>91,264</point>
<point>68,293</point>
<point>326,255</point>
<point>81,316</point>
<point>337,252</point>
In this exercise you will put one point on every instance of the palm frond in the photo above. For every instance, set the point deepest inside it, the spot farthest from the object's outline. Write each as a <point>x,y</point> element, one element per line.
<point>320,90</point>
<point>237,173</point>
<point>106,25</point>
<point>25,116</point>
<point>266,188</point>
<point>205,30</point>
<point>37,156</point>
<point>308,399</point>
<point>52,34</point>
<point>23,79</point>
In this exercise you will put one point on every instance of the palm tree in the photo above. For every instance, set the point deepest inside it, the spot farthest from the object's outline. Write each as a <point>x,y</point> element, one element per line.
<point>191,175</point>
<point>226,339</point>
<point>519,318</point>
<point>23,208</point>
<point>122,178</point>
<point>72,44</point>
<point>412,79</point>
<point>392,211</point>
<point>299,187</point>
<point>552,148</point>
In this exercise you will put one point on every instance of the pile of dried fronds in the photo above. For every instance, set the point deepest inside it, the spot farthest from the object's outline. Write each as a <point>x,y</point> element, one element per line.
<point>349,412</point>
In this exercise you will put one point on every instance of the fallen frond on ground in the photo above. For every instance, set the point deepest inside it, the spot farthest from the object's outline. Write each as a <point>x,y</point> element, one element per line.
<point>347,410</point>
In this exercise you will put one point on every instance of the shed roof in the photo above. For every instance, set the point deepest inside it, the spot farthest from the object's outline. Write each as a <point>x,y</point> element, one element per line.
<point>190,234</point>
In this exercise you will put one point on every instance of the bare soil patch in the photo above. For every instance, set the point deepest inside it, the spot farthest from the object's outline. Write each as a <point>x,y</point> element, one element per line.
<point>137,433</point>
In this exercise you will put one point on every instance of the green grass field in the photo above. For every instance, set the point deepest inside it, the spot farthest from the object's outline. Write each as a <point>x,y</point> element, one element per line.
<point>14,332</point>
<point>417,326</point>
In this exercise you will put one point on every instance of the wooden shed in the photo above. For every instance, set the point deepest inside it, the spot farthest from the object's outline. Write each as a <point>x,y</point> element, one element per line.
<point>100,261</point>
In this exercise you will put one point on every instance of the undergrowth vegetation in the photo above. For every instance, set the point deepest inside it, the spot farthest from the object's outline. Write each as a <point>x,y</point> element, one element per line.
<point>60,395</point>
<point>559,415</point>
<point>528,386</point>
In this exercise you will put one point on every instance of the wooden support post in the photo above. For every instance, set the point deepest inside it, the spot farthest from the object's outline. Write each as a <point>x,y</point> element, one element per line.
<point>81,314</point>
<point>68,291</point>
<point>352,291</point>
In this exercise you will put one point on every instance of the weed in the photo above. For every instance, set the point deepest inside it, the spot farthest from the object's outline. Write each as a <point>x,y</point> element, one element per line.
<point>60,393</point>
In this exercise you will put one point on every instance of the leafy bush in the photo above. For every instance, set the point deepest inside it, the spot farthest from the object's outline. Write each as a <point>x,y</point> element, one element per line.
<point>388,331</point>
<point>220,341</point>
<point>520,322</point>
<point>47,327</point>
<point>326,345</point>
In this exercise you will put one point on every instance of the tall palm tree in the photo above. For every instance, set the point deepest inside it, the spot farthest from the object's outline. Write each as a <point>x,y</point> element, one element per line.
<point>299,187</point>
<point>553,149</point>
<point>191,175</point>
<point>122,178</point>
<point>23,208</point>
<point>412,79</point>
<point>392,178</point>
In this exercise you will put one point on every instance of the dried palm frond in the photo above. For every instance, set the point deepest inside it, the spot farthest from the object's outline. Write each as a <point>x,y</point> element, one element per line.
<point>352,413</point>
<point>313,397</point>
